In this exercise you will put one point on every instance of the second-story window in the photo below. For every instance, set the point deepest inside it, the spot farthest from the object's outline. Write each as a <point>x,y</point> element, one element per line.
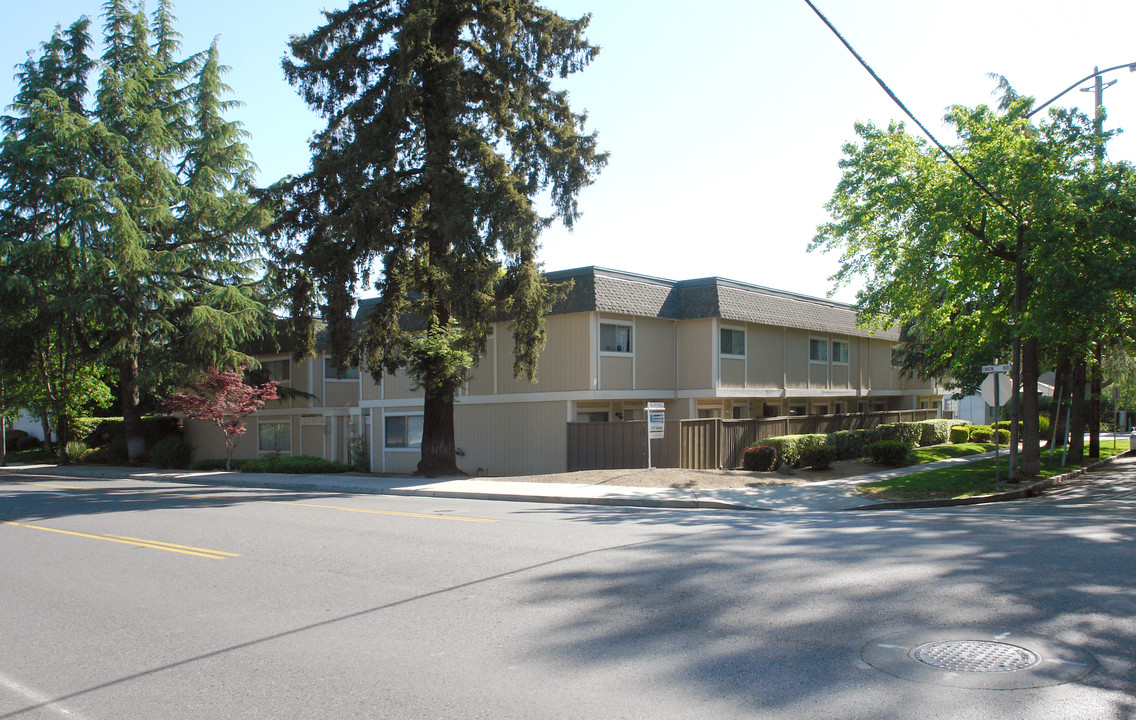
<point>839,352</point>
<point>615,338</point>
<point>331,372</point>
<point>732,342</point>
<point>278,370</point>
<point>818,350</point>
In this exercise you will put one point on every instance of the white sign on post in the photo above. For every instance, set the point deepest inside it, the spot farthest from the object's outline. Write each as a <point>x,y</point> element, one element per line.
<point>1003,389</point>
<point>656,421</point>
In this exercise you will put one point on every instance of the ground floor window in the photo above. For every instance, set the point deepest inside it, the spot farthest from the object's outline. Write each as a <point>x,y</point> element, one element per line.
<point>593,416</point>
<point>274,437</point>
<point>740,412</point>
<point>403,431</point>
<point>709,412</point>
<point>798,409</point>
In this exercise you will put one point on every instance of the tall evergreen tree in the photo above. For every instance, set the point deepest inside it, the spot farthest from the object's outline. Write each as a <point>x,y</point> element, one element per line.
<point>443,131</point>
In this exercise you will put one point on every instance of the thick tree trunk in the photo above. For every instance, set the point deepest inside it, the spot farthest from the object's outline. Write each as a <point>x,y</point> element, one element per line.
<point>46,425</point>
<point>131,411</point>
<point>439,455</point>
<point>63,436</point>
<point>1077,413</point>
<point>1031,442</point>
<point>1095,403</point>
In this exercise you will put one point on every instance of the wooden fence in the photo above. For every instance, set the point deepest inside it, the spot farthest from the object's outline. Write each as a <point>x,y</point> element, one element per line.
<point>705,443</point>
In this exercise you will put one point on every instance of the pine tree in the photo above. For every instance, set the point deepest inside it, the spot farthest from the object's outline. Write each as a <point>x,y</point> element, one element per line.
<point>443,131</point>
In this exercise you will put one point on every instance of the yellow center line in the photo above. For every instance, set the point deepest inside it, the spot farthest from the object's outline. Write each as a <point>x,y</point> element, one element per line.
<point>384,512</point>
<point>152,544</point>
<point>65,487</point>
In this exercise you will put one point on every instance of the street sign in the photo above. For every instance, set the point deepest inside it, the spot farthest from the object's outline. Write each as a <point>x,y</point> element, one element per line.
<point>655,406</point>
<point>996,397</point>
<point>1003,368</point>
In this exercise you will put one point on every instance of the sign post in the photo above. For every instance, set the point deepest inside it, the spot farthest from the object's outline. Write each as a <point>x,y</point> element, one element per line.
<point>656,422</point>
<point>994,382</point>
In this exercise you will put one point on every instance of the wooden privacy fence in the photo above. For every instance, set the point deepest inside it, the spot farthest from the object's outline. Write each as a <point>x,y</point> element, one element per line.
<point>705,443</point>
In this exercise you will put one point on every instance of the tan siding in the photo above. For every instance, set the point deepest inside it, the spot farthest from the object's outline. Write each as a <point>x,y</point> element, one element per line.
<point>818,376</point>
<point>564,363</point>
<point>481,376</point>
<point>312,439</point>
<point>512,438</point>
<point>840,377</point>
<point>615,373</point>
<point>655,354</point>
<point>733,373</point>
<point>338,393</point>
<point>399,462</point>
<point>371,390</point>
<point>695,354</point>
<point>763,348</point>
<point>398,386</point>
<point>880,373</point>
<point>796,359</point>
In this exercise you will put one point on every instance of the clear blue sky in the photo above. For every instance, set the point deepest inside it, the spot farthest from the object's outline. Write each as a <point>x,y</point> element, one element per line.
<point>724,123</point>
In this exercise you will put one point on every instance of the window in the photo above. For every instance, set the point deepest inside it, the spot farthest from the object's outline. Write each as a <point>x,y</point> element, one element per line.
<point>709,412</point>
<point>278,370</point>
<point>331,372</point>
<point>732,342</point>
<point>839,352</point>
<point>615,338</point>
<point>274,437</point>
<point>403,431</point>
<point>591,416</point>
<point>797,409</point>
<point>740,412</point>
<point>818,350</point>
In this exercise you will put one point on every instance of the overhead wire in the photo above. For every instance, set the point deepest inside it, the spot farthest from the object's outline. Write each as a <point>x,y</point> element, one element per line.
<point>895,98</point>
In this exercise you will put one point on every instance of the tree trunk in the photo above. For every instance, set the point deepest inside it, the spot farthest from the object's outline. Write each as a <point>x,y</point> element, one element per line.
<point>46,425</point>
<point>1077,414</point>
<point>1095,403</point>
<point>1031,442</point>
<point>131,411</point>
<point>63,436</point>
<point>438,446</point>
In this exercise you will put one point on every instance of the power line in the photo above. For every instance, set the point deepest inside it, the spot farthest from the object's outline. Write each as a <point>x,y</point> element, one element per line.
<point>989,193</point>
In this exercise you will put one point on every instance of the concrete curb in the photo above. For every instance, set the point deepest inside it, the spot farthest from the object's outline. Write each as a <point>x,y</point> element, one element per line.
<point>1031,490</point>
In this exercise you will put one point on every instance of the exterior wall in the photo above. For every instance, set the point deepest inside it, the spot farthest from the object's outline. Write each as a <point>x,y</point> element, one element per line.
<point>696,354</point>
<point>564,364</point>
<point>797,370</point>
<point>341,393</point>
<point>512,438</point>
<point>655,354</point>
<point>766,359</point>
<point>732,372</point>
<point>481,377</point>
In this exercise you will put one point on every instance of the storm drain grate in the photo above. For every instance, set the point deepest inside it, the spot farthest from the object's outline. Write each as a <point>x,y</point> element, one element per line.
<point>975,656</point>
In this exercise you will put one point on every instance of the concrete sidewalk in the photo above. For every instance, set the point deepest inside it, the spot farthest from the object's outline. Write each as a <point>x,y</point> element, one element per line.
<point>827,495</point>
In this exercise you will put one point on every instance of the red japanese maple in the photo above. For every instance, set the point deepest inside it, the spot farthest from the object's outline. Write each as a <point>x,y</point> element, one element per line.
<point>224,399</point>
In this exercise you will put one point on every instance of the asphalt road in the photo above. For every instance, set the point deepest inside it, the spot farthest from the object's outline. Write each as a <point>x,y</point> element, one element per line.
<point>121,599</point>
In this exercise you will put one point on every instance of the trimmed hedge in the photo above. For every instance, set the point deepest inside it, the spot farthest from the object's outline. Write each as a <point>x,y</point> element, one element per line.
<point>960,434</point>
<point>981,434</point>
<point>171,452</point>
<point>759,458</point>
<point>907,433</point>
<point>889,452</point>
<point>852,444</point>
<point>154,428</point>
<point>937,432</point>
<point>789,447</point>
<point>298,464</point>
<point>818,457</point>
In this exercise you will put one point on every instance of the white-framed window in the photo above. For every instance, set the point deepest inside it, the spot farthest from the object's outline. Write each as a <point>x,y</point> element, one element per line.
<point>615,338</point>
<point>274,437</point>
<point>818,350</point>
<point>402,432</point>
<point>331,372</point>
<point>278,370</point>
<point>740,412</point>
<point>840,350</point>
<point>732,342</point>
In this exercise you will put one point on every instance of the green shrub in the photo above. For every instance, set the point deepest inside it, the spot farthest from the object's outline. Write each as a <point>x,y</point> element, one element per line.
<point>935,432</point>
<point>1003,436</point>
<point>818,457</point>
<point>981,433</point>
<point>905,432</point>
<point>1043,426</point>
<point>789,447</point>
<point>298,464</point>
<point>94,456</point>
<point>889,452</point>
<point>759,458</point>
<point>76,449</point>
<point>12,439</point>
<point>852,444</point>
<point>116,453</point>
<point>28,442</point>
<point>82,427</point>
<point>960,434</point>
<point>171,452</point>
<point>154,428</point>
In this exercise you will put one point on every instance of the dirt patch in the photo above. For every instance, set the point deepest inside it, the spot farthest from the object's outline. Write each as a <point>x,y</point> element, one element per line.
<point>696,479</point>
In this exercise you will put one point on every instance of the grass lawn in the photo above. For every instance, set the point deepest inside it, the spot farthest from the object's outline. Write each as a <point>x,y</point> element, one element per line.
<point>970,479</point>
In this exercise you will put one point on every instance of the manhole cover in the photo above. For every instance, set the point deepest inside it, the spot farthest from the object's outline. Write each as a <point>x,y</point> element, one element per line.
<point>977,656</point>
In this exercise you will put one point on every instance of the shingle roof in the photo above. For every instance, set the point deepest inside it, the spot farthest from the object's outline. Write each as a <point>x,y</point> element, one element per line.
<point>611,291</point>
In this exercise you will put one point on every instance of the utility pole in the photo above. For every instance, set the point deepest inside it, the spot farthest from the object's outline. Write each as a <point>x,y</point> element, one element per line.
<point>1096,379</point>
